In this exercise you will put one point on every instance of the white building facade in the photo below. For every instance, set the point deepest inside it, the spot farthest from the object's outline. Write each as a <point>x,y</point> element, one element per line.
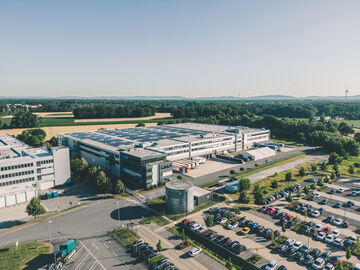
<point>24,171</point>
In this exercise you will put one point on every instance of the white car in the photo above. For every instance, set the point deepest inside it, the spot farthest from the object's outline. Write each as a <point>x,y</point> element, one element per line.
<point>329,238</point>
<point>319,227</point>
<point>195,226</point>
<point>271,265</point>
<point>340,190</point>
<point>315,213</point>
<point>321,236</point>
<point>297,245</point>
<point>318,263</point>
<point>201,229</point>
<point>357,266</point>
<point>290,242</point>
<point>337,221</point>
<point>335,233</point>
<point>317,195</point>
<point>222,220</point>
<point>338,242</point>
<point>233,225</point>
<point>329,266</point>
<point>195,251</point>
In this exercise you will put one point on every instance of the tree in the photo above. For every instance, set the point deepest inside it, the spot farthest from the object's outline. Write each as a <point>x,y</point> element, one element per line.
<point>326,179</point>
<point>274,183</point>
<point>312,186</point>
<point>179,177</point>
<point>320,182</point>
<point>351,169</point>
<point>306,190</point>
<point>243,197</point>
<point>289,198</point>
<point>53,141</point>
<point>35,208</point>
<point>288,177</point>
<point>340,266</point>
<point>209,220</point>
<point>140,124</point>
<point>228,214</point>
<point>119,187</point>
<point>232,171</point>
<point>334,158</point>
<point>298,193</point>
<point>258,194</point>
<point>24,119</point>
<point>357,137</point>
<point>158,246</point>
<point>244,184</point>
<point>345,129</point>
<point>332,176</point>
<point>348,253</point>
<point>313,168</point>
<point>323,166</point>
<point>102,180</point>
<point>283,228</point>
<point>229,264</point>
<point>77,166</point>
<point>302,171</point>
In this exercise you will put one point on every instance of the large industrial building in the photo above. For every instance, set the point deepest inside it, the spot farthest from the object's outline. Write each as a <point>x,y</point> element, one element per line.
<point>144,155</point>
<point>25,170</point>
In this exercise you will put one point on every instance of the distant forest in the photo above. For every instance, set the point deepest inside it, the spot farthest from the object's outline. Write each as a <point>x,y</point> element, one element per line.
<point>91,108</point>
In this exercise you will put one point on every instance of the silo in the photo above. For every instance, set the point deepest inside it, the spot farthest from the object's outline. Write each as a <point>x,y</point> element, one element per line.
<point>179,196</point>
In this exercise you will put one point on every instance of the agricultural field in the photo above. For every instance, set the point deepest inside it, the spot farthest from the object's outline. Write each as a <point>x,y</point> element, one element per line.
<point>354,123</point>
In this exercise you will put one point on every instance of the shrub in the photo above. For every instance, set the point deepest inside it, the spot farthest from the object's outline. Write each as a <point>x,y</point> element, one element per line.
<point>232,171</point>
<point>241,168</point>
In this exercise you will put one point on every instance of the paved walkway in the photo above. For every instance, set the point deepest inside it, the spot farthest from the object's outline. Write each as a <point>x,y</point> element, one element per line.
<point>168,249</point>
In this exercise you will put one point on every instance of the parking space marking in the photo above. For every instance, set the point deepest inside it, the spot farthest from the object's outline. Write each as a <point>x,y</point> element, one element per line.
<point>114,254</point>
<point>93,256</point>
<point>105,245</point>
<point>92,265</point>
<point>94,245</point>
<point>81,261</point>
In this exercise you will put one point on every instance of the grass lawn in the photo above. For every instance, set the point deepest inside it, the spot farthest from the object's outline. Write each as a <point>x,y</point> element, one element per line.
<point>286,142</point>
<point>157,219</point>
<point>354,123</point>
<point>196,209</point>
<point>124,236</point>
<point>12,258</point>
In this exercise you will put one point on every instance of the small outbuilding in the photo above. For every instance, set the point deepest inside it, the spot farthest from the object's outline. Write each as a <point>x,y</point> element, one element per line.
<point>201,195</point>
<point>232,187</point>
<point>259,153</point>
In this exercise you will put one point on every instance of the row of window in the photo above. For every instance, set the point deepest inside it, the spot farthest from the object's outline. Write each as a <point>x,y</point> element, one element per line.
<point>38,163</point>
<point>19,166</point>
<point>17,181</point>
<point>16,174</point>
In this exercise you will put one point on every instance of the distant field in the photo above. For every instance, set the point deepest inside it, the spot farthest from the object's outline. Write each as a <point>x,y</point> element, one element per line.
<point>354,123</point>
<point>156,116</point>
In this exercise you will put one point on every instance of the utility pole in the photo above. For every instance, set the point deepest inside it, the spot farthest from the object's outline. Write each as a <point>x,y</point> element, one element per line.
<point>49,222</point>
<point>118,209</point>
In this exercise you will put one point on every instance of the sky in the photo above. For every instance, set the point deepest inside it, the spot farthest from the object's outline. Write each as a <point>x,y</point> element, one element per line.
<point>179,48</point>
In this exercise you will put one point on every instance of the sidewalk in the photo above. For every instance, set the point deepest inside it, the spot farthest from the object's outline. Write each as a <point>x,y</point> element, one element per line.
<point>169,250</point>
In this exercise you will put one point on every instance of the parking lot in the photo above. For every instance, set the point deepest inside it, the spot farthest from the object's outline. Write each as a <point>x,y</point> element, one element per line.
<point>100,253</point>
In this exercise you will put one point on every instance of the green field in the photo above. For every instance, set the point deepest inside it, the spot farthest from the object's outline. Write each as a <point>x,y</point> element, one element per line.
<point>69,121</point>
<point>21,257</point>
<point>354,123</point>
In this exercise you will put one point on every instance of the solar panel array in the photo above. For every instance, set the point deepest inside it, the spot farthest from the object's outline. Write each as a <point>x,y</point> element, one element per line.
<point>129,136</point>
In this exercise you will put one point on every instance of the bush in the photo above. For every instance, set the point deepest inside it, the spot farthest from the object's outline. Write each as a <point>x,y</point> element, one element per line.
<point>183,245</point>
<point>254,258</point>
<point>179,177</point>
<point>241,168</point>
<point>298,226</point>
<point>357,164</point>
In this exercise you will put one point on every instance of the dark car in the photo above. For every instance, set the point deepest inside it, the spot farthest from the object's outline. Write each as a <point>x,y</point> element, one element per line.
<point>311,224</point>
<point>282,267</point>
<point>220,238</point>
<point>298,256</point>
<point>260,229</point>
<point>315,252</point>
<point>334,260</point>
<point>321,210</point>
<point>326,255</point>
<point>330,219</point>
<point>308,260</point>
<point>276,234</point>
<point>291,251</point>
<point>239,249</point>
<point>305,249</point>
<point>282,248</point>
<point>331,191</point>
<point>324,201</point>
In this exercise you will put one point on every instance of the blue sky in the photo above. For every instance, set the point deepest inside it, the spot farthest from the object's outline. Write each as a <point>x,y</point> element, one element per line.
<point>179,48</point>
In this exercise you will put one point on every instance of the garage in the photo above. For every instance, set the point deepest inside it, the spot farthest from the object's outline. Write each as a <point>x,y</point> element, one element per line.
<point>2,202</point>
<point>10,200</point>
<point>30,195</point>
<point>21,197</point>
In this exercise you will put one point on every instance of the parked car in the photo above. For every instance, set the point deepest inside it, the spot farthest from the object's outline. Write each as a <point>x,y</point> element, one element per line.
<point>305,249</point>
<point>324,201</point>
<point>297,245</point>
<point>271,265</point>
<point>337,222</point>
<point>345,224</point>
<point>326,255</point>
<point>321,236</point>
<point>338,242</point>
<point>222,220</point>
<point>340,190</point>
<point>315,214</point>
<point>334,260</point>
<point>310,180</point>
<point>282,248</point>
<point>319,263</point>
<point>195,251</point>
<point>330,219</point>
<point>329,238</point>
<point>315,252</point>
<point>298,256</point>
<point>337,205</point>
<point>290,242</point>
<point>233,225</point>
<point>329,266</point>
<point>327,230</point>
<point>245,230</point>
<point>308,260</point>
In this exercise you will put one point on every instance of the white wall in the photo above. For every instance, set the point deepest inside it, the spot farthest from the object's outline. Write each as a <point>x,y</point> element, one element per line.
<point>61,165</point>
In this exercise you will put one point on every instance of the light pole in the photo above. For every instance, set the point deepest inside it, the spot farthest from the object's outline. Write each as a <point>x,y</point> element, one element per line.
<point>49,222</point>
<point>118,209</point>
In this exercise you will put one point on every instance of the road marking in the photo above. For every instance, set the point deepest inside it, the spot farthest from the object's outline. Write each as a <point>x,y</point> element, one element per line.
<point>114,254</point>
<point>81,261</point>
<point>94,245</point>
<point>93,256</point>
<point>105,245</point>
<point>92,265</point>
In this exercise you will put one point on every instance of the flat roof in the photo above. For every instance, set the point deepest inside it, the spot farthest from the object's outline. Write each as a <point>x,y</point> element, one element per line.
<point>179,184</point>
<point>198,191</point>
<point>141,153</point>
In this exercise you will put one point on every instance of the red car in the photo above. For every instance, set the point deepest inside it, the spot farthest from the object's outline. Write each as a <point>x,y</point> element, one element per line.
<point>270,210</point>
<point>185,221</point>
<point>290,217</point>
<point>334,260</point>
<point>313,232</point>
<point>327,230</point>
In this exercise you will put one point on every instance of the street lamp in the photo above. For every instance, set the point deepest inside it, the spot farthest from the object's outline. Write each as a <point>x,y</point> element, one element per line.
<point>49,222</point>
<point>118,209</point>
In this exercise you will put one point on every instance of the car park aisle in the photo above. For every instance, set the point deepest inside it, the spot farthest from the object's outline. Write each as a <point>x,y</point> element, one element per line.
<point>175,256</point>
